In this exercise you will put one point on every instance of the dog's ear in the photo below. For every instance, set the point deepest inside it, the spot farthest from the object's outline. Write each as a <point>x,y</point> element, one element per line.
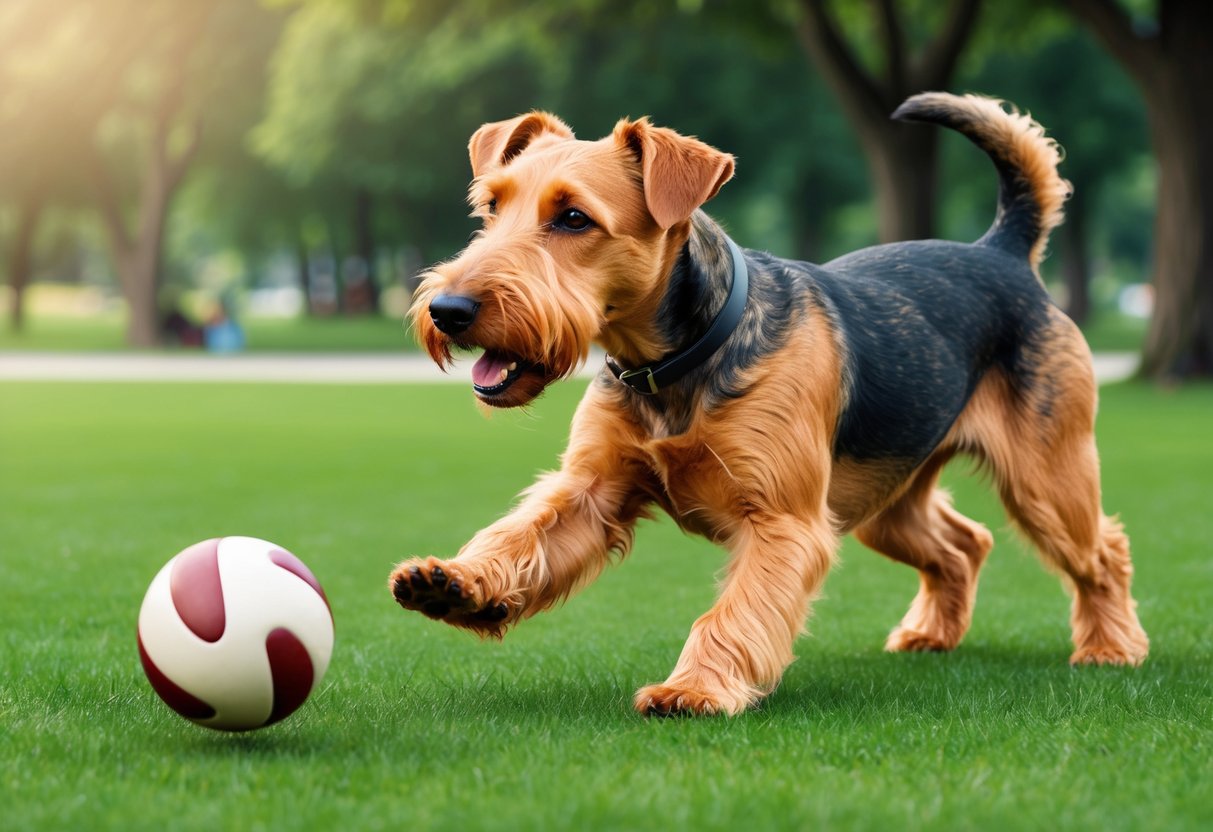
<point>496,143</point>
<point>680,173</point>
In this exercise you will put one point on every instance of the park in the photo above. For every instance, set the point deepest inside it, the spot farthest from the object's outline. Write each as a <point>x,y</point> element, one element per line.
<point>206,186</point>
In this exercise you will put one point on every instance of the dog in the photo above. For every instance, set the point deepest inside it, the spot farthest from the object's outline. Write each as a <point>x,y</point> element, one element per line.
<point>768,405</point>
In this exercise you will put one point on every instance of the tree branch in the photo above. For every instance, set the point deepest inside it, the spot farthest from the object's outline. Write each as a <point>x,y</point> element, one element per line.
<point>895,48</point>
<point>830,53</point>
<point>1113,26</point>
<point>179,164</point>
<point>938,60</point>
<point>172,168</point>
<point>110,205</point>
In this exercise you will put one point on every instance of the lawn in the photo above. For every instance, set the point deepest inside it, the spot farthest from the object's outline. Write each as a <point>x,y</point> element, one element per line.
<point>105,332</point>
<point>1108,331</point>
<point>421,727</point>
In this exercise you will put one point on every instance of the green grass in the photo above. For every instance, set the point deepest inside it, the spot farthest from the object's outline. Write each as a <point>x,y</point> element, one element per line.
<point>51,333</point>
<point>421,727</point>
<point>1107,331</point>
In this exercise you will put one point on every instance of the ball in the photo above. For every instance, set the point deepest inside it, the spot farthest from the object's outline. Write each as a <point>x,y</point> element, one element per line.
<point>235,633</point>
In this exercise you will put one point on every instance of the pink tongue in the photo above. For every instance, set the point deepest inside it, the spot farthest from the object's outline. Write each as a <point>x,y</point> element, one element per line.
<point>487,370</point>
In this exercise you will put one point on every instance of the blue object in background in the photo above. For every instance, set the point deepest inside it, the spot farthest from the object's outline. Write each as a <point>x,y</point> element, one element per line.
<point>225,335</point>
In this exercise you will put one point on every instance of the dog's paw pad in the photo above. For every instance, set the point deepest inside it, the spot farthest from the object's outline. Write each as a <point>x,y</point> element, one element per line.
<point>430,589</point>
<point>436,609</point>
<point>440,590</point>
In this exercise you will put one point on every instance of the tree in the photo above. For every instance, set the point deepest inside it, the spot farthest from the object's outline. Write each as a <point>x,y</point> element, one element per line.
<point>370,98</point>
<point>797,168</point>
<point>113,91</point>
<point>21,256</point>
<point>902,159</point>
<point>1171,59</point>
<point>168,131</point>
<point>41,120</point>
<point>407,83</point>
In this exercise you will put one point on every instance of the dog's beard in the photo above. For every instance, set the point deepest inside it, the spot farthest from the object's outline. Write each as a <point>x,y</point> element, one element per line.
<point>532,329</point>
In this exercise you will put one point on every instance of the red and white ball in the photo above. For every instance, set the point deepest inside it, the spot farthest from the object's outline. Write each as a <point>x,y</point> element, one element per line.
<point>235,633</point>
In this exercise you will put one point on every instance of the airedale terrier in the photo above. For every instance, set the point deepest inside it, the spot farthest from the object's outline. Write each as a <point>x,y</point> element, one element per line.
<point>767,404</point>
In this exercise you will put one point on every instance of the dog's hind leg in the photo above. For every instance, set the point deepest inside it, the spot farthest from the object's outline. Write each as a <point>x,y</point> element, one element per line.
<point>1038,438</point>
<point>948,549</point>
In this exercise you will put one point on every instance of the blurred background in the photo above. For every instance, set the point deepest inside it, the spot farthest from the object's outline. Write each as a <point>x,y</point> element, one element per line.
<point>271,174</point>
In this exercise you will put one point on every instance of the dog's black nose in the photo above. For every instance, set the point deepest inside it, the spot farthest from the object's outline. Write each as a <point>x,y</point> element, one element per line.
<point>453,314</point>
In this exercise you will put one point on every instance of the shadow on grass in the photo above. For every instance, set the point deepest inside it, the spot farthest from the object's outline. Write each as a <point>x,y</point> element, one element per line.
<point>980,677</point>
<point>976,676</point>
<point>267,743</point>
<point>559,699</point>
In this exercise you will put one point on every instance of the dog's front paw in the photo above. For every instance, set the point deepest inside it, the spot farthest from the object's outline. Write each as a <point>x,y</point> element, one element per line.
<point>676,700</point>
<point>449,592</point>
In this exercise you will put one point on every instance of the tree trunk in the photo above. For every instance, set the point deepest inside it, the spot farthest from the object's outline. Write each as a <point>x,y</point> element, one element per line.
<point>1179,342</point>
<point>364,234</point>
<point>361,290</point>
<point>137,257</point>
<point>903,160</point>
<point>904,163</point>
<point>303,264</point>
<point>1076,259</point>
<point>139,286</point>
<point>21,261</point>
<point>1172,67</point>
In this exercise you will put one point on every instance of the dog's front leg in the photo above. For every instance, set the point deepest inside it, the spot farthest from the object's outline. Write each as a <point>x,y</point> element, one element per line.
<point>738,650</point>
<point>558,539</point>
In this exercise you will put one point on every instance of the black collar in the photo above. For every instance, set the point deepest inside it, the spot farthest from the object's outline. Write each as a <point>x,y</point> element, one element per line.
<point>650,379</point>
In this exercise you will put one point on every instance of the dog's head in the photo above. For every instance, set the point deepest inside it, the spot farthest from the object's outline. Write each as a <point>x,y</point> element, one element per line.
<point>577,240</point>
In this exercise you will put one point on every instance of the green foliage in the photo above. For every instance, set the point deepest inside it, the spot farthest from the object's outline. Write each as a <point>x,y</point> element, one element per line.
<point>420,727</point>
<point>365,98</point>
<point>385,96</point>
<point>1092,109</point>
<point>307,104</point>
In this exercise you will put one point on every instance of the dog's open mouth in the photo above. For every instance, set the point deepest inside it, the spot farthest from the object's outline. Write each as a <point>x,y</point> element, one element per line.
<point>497,374</point>
<point>496,371</point>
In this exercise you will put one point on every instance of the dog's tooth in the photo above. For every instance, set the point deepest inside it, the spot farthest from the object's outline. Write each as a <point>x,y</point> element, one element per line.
<point>513,366</point>
<point>504,374</point>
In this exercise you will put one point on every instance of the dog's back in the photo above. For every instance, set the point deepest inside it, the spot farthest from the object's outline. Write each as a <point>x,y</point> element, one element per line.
<point>921,322</point>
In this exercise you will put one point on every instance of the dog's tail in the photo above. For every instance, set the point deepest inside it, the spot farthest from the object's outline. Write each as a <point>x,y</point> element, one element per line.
<point>1030,193</point>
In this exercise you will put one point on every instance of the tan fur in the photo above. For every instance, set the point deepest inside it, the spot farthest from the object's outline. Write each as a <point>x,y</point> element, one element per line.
<point>496,144</point>
<point>922,529</point>
<point>679,173</point>
<point>755,473</point>
<point>1047,471</point>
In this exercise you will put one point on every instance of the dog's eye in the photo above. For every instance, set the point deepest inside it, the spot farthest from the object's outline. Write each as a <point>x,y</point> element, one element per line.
<point>572,220</point>
<point>491,207</point>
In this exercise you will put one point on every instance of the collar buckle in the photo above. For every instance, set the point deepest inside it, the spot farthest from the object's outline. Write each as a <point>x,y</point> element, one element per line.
<point>636,380</point>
